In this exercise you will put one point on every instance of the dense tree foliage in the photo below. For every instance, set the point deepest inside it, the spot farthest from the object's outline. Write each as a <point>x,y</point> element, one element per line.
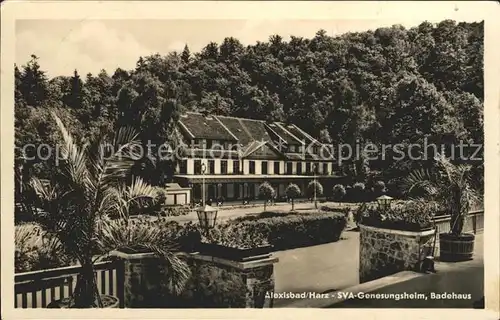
<point>392,85</point>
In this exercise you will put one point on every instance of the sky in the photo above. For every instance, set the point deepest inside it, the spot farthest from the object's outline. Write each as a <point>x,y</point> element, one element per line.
<point>91,45</point>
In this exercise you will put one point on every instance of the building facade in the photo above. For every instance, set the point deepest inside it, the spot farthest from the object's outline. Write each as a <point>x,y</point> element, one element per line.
<point>233,156</point>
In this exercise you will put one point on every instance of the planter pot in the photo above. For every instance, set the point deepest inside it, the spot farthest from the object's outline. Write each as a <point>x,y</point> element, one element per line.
<point>456,248</point>
<point>236,254</point>
<point>107,300</point>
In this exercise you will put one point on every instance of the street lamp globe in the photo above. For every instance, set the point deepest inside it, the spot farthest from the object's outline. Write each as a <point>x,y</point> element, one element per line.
<point>384,202</point>
<point>207,217</point>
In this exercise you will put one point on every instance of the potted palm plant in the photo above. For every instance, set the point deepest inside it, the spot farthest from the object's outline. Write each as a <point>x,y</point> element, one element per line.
<point>450,185</point>
<point>86,190</point>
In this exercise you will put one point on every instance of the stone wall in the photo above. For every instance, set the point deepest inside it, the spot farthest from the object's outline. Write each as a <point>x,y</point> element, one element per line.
<point>384,251</point>
<point>142,275</point>
<point>214,283</point>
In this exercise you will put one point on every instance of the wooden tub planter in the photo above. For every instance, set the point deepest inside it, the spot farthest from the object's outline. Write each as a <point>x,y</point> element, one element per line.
<point>454,248</point>
<point>236,254</point>
<point>107,301</point>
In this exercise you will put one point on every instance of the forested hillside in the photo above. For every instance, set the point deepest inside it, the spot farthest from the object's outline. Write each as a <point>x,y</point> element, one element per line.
<point>390,85</point>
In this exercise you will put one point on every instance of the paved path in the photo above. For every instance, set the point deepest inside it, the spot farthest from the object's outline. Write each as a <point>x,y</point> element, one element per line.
<point>321,268</point>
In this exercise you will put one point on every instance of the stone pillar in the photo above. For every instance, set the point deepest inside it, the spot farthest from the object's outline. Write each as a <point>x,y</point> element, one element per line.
<point>383,252</point>
<point>260,283</point>
<point>258,275</point>
<point>142,272</point>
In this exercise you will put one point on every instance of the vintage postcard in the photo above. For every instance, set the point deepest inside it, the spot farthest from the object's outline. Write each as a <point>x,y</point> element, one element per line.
<point>183,159</point>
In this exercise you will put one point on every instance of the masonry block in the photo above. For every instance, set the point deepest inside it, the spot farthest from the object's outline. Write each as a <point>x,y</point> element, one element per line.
<point>386,251</point>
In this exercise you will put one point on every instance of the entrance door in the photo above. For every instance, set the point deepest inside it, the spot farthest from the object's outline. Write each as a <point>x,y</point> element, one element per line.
<point>237,191</point>
<point>211,192</point>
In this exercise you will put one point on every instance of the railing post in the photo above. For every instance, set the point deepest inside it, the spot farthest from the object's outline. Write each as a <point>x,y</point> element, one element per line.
<point>120,281</point>
<point>474,223</point>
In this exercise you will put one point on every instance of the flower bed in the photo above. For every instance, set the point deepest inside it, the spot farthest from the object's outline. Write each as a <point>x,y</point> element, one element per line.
<point>405,216</point>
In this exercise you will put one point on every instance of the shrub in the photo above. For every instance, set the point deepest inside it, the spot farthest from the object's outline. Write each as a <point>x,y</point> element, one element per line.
<point>267,192</point>
<point>186,236</point>
<point>339,192</point>
<point>359,186</point>
<point>36,249</point>
<point>314,185</point>
<point>358,192</point>
<point>343,210</point>
<point>264,214</point>
<point>303,230</point>
<point>173,210</point>
<point>408,216</point>
<point>243,235</point>
<point>297,230</point>
<point>379,188</point>
<point>292,192</point>
<point>332,209</point>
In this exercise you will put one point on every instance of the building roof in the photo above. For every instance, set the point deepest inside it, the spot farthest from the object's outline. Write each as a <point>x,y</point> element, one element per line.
<point>173,186</point>
<point>234,125</point>
<point>283,133</point>
<point>248,133</point>
<point>197,125</point>
<point>299,133</point>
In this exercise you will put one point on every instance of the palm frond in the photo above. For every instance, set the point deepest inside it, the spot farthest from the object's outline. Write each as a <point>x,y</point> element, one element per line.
<point>420,179</point>
<point>130,236</point>
<point>73,162</point>
<point>124,197</point>
<point>111,163</point>
<point>140,189</point>
<point>27,236</point>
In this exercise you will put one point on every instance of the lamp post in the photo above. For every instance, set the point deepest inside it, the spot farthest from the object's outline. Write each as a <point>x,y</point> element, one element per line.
<point>384,202</point>
<point>207,215</point>
<point>203,169</point>
<point>314,172</point>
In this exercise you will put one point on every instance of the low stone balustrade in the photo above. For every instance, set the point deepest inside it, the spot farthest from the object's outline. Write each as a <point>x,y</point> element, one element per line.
<point>387,251</point>
<point>143,273</point>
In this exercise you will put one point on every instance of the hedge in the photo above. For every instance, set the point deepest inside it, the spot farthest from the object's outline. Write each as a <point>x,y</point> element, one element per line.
<point>298,229</point>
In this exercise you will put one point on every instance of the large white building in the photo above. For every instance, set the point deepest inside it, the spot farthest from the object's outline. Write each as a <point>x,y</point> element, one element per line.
<point>239,154</point>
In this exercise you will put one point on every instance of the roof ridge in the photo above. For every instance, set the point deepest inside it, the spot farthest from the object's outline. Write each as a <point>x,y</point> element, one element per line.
<point>240,118</point>
<point>245,129</point>
<point>186,129</point>
<point>307,135</point>
<point>289,133</point>
<point>227,129</point>
<point>274,131</point>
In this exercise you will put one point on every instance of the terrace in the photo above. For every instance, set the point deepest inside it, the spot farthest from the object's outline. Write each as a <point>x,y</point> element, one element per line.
<point>307,269</point>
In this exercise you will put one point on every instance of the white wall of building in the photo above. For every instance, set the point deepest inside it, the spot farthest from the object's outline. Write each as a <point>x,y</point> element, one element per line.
<point>245,167</point>
<point>190,166</point>
<point>258,166</point>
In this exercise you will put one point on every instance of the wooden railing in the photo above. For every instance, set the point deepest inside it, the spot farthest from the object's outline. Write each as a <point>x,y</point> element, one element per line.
<point>474,222</point>
<point>37,289</point>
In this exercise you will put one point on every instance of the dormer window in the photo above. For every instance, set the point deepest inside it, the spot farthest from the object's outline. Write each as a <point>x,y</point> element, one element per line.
<point>292,148</point>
